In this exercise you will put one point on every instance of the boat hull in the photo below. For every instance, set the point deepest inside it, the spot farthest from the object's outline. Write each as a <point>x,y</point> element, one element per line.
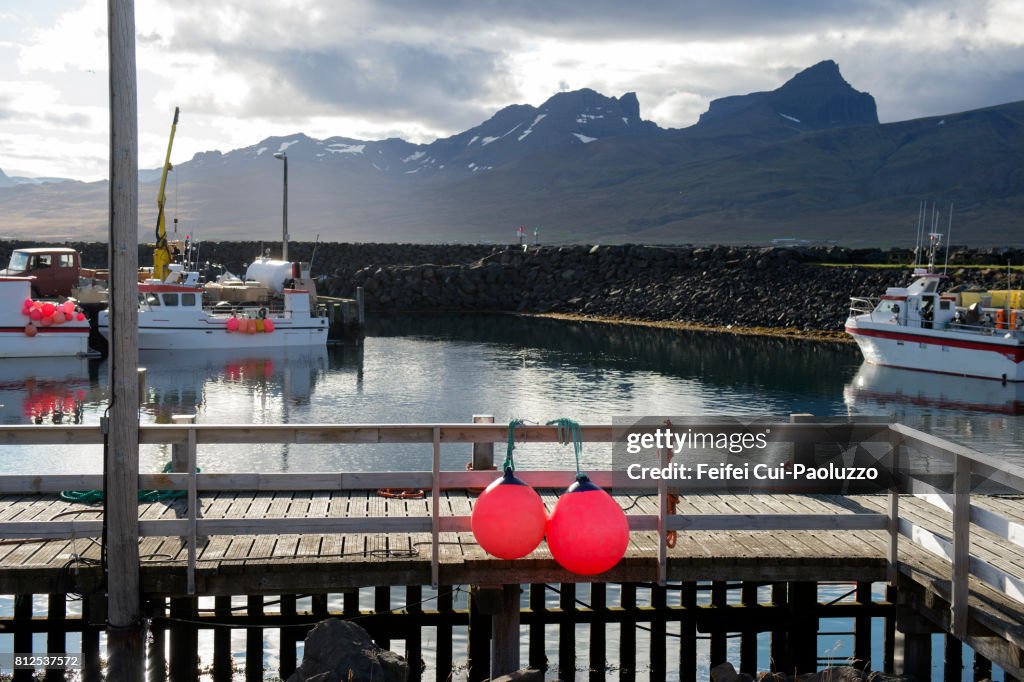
<point>47,343</point>
<point>940,351</point>
<point>210,337</point>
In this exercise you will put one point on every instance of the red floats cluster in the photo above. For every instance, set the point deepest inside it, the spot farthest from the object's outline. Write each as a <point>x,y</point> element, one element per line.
<point>245,325</point>
<point>46,314</point>
<point>508,518</point>
<point>587,532</point>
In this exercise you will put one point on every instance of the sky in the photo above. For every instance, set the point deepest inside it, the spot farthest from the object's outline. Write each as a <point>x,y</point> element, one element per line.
<point>243,70</point>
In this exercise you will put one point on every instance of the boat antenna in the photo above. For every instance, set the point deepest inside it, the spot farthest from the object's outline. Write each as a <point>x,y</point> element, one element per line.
<point>917,241</point>
<point>949,237</point>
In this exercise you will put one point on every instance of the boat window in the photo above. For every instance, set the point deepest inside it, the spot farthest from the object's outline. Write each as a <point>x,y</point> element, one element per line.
<point>170,299</point>
<point>67,260</point>
<point>151,300</point>
<point>885,306</point>
<point>943,305</point>
<point>188,300</point>
<point>930,286</point>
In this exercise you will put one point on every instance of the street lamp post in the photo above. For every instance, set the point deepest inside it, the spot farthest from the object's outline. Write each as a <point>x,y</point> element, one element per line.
<point>284,219</point>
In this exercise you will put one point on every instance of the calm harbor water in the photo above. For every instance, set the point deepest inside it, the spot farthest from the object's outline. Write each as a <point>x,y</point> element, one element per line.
<point>447,368</point>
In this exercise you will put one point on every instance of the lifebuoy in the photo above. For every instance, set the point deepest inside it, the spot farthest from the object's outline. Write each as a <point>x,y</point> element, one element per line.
<point>402,493</point>
<point>261,313</point>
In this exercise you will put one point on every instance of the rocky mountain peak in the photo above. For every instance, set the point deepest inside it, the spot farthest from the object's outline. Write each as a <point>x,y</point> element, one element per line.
<point>814,99</point>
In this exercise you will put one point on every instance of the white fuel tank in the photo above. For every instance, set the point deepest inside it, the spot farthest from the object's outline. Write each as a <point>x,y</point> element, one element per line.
<point>270,273</point>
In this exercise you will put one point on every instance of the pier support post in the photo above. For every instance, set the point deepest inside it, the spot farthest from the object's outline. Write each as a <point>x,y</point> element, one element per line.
<point>482,603</point>
<point>913,640</point>
<point>179,451</point>
<point>483,453</point>
<point>360,306</point>
<point>125,629</point>
<point>803,630</point>
<point>505,633</point>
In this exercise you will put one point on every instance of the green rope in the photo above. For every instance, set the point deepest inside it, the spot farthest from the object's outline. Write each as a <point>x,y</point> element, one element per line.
<point>509,463</point>
<point>96,496</point>
<point>567,430</point>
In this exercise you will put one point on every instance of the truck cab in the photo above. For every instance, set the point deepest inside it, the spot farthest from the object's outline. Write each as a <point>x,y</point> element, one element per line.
<point>55,269</point>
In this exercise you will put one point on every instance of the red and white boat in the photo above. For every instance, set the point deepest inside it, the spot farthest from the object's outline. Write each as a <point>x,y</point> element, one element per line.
<point>22,336</point>
<point>172,316</point>
<point>919,327</point>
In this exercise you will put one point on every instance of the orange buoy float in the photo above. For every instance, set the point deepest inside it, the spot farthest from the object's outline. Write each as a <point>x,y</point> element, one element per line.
<point>268,326</point>
<point>259,325</point>
<point>30,329</point>
<point>587,531</point>
<point>509,518</point>
<point>231,325</point>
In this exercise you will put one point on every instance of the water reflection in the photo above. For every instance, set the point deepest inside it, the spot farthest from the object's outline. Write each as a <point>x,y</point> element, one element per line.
<point>44,390</point>
<point>448,368</point>
<point>230,386</point>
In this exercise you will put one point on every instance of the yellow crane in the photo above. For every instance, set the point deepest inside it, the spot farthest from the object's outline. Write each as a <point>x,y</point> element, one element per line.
<point>161,250</point>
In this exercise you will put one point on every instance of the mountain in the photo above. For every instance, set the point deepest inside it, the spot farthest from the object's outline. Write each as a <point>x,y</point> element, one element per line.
<point>815,99</point>
<point>808,159</point>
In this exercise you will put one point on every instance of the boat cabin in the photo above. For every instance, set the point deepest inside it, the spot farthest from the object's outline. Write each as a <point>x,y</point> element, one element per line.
<point>917,305</point>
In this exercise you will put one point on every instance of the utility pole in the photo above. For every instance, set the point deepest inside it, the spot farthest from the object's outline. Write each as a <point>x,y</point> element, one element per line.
<point>125,634</point>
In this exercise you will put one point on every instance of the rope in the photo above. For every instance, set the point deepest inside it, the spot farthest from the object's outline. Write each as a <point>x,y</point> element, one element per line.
<point>567,430</point>
<point>96,496</point>
<point>509,464</point>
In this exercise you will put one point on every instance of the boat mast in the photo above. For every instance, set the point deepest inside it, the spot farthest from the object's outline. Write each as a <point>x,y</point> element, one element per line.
<point>949,237</point>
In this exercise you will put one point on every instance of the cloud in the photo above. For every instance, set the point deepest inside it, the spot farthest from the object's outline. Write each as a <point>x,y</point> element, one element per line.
<point>245,69</point>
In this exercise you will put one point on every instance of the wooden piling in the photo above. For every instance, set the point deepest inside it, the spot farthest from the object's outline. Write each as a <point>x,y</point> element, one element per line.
<point>779,649</point>
<point>953,658</point>
<point>862,628</point>
<point>688,632</point>
<point>445,599</point>
<point>658,629</point>
<point>414,638</point>
<point>93,615</point>
<point>184,640</point>
<point>124,608</point>
<point>222,641</point>
<point>56,638</point>
<point>598,640</point>
<point>567,632</point>
<point>719,597</point>
<point>627,633</point>
<point>803,628</point>
<point>157,656</point>
<point>538,606</point>
<point>505,633</point>
<point>23,633</point>
<point>254,640</point>
<point>483,453</point>
<point>287,638</point>
<point>748,637</point>
<point>382,604</point>
<point>479,637</point>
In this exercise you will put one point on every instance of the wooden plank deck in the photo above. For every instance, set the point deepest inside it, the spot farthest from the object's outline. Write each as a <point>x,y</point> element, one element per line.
<point>272,564</point>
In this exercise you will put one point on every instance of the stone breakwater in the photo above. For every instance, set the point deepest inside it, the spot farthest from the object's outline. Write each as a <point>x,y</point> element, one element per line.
<point>806,289</point>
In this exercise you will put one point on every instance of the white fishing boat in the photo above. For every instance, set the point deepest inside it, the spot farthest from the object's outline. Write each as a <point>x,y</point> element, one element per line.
<point>959,333</point>
<point>27,332</point>
<point>274,306</point>
<point>173,317</point>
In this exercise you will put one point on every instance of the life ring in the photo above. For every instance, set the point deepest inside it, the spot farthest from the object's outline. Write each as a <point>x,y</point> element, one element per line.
<point>261,313</point>
<point>402,493</point>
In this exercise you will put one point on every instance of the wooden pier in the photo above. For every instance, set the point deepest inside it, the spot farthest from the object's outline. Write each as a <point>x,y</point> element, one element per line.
<point>951,563</point>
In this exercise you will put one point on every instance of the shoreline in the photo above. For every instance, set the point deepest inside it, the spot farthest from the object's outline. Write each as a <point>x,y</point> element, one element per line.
<point>819,336</point>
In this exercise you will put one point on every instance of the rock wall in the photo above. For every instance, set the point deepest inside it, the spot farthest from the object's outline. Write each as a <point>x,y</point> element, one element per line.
<point>773,287</point>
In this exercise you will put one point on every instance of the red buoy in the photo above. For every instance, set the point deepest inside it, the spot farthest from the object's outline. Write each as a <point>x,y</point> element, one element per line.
<point>508,518</point>
<point>587,532</point>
